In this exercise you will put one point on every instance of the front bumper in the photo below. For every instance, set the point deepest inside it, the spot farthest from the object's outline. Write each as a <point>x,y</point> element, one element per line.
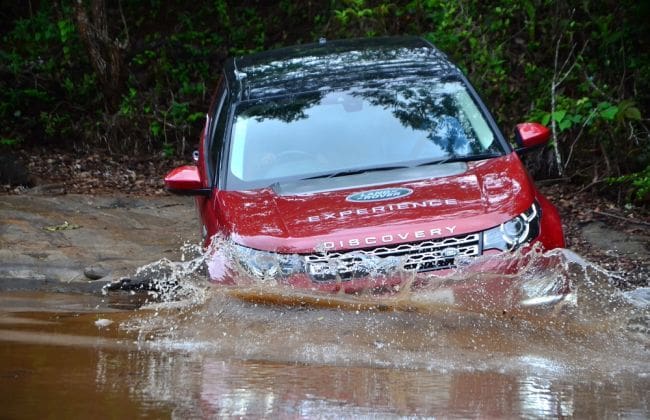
<point>472,273</point>
<point>496,280</point>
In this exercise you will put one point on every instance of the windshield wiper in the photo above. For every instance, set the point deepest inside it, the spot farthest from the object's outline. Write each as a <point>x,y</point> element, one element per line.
<point>357,171</point>
<point>388,168</point>
<point>468,158</point>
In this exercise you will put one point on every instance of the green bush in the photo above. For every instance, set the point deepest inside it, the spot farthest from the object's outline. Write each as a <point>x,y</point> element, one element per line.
<point>638,182</point>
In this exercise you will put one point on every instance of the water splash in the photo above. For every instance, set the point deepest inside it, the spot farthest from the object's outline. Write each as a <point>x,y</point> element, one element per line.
<point>504,281</point>
<point>552,306</point>
<point>519,280</point>
<point>170,282</point>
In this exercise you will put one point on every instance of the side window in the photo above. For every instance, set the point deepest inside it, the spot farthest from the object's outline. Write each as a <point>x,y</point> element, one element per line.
<point>217,131</point>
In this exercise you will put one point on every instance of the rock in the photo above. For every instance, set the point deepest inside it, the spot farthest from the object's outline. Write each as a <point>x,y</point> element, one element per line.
<point>605,237</point>
<point>95,272</point>
<point>157,277</point>
<point>32,258</point>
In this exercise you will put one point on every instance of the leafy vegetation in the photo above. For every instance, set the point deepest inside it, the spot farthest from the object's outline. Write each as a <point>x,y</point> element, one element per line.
<point>137,76</point>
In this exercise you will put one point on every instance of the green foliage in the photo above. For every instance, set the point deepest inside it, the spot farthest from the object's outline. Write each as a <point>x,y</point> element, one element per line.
<point>7,142</point>
<point>168,149</point>
<point>639,182</point>
<point>357,18</point>
<point>44,81</point>
<point>571,114</point>
<point>594,54</point>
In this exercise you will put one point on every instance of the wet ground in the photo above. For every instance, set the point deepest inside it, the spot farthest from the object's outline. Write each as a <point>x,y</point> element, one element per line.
<point>203,351</point>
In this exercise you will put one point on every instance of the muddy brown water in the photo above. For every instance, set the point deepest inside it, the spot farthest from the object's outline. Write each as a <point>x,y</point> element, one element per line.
<point>215,353</point>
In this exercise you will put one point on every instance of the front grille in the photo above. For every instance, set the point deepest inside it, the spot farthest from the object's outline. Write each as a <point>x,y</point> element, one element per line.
<point>418,256</point>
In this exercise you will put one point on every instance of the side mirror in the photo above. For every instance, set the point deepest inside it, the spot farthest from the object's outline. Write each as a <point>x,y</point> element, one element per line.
<point>185,180</point>
<point>529,135</point>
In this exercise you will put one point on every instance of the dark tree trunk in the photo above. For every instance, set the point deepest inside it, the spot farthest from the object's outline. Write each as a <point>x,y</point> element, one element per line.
<point>105,52</point>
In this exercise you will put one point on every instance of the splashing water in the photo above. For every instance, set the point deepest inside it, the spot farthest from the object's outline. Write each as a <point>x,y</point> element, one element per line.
<point>553,310</point>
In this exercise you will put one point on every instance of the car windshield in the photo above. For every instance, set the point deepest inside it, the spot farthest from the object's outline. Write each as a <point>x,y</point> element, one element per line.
<point>344,131</point>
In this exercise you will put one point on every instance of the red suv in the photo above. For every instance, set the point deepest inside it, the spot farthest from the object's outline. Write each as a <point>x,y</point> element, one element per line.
<point>322,165</point>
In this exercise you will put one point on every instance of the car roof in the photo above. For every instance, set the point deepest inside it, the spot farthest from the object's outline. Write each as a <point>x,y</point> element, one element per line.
<point>333,64</point>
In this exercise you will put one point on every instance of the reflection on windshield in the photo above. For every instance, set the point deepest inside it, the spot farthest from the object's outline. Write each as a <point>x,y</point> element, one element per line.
<point>373,125</point>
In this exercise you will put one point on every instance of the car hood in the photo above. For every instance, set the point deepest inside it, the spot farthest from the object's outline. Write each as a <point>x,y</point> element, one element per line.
<point>453,199</point>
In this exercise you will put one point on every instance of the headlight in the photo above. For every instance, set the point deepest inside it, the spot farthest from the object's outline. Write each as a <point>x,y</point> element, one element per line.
<point>267,265</point>
<point>515,232</point>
